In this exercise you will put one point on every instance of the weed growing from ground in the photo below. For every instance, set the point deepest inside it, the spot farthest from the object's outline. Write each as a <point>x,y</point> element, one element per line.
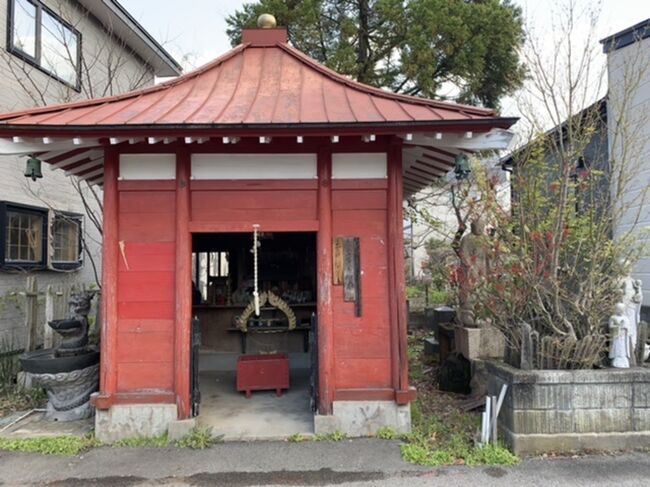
<point>53,445</point>
<point>199,438</point>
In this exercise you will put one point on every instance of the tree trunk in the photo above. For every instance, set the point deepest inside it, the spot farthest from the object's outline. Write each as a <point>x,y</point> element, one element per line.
<point>363,54</point>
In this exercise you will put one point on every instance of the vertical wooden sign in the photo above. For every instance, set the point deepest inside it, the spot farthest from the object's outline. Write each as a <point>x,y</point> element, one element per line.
<point>347,269</point>
<point>337,273</point>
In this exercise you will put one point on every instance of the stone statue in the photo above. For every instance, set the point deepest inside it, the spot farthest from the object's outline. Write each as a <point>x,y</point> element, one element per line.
<point>620,348</point>
<point>632,298</point>
<point>474,264</point>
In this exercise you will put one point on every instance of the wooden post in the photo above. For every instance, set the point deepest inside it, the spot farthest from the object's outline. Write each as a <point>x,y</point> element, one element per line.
<point>31,312</point>
<point>183,313</point>
<point>110,255</point>
<point>324,265</point>
<point>397,280</point>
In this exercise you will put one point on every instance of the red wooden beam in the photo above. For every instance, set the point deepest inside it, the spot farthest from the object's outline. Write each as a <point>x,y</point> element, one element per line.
<point>68,155</point>
<point>417,182</point>
<point>144,185</point>
<point>415,167</point>
<point>324,265</point>
<point>393,201</point>
<point>438,162</point>
<point>110,254</point>
<point>182,328</point>
<point>252,184</point>
<point>441,151</point>
<point>245,226</point>
<point>413,176</point>
<point>397,280</point>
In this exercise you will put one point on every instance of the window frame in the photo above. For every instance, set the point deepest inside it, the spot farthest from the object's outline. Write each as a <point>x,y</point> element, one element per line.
<point>65,265</point>
<point>35,61</point>
<point>6,207</point>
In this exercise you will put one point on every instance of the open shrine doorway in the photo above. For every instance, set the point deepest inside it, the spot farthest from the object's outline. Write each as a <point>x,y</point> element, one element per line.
<point>230,332</point>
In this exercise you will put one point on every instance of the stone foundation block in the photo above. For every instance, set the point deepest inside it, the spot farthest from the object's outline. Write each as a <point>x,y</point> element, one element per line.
<point>364,418</point>
<point>180,428</point>
<point>134,421</point>
<point>480,343</point>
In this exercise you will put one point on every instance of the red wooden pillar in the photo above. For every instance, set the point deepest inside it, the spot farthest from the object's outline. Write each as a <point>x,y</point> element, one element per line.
<point>110,255</point>
<point>324,265</point>
<point>397,280</point>
<point>183,298</point>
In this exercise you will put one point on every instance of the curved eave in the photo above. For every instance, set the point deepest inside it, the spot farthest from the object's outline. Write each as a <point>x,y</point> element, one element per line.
<point>340,128</point>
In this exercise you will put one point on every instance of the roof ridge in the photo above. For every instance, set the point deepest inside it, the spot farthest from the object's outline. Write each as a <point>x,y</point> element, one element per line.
<point>378,91</point>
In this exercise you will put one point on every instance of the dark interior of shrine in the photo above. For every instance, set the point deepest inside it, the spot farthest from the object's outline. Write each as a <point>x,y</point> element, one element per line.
<point>222,296</point>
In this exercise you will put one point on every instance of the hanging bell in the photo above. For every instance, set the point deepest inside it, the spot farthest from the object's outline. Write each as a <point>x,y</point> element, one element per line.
<point>33,168</point>
<point>462,169</point>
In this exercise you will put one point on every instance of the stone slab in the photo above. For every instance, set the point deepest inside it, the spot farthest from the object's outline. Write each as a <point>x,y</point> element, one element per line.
<point>180,428</point>
<point>364,418</point>
<point>480,343</point>
<point>574,442</point>
<point>36,426</point>
<point>133,421</point>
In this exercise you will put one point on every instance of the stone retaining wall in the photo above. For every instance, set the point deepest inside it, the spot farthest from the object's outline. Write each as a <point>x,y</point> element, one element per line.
<point>560,411</point>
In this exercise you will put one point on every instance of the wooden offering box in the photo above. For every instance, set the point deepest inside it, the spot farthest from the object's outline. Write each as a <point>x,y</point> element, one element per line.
<point>262,372</point>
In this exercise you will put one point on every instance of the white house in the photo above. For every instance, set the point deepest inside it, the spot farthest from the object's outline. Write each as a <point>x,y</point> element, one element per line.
<point>628,68</point>
<point>57,51</point>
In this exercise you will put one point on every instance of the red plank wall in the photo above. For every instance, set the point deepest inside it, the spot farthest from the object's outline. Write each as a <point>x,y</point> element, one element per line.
<point>362,344</point>
<point>145,293</point>
<point>247,202</point>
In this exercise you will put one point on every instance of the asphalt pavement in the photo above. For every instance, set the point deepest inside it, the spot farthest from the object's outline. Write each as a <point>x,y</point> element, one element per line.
<point>365,462</point>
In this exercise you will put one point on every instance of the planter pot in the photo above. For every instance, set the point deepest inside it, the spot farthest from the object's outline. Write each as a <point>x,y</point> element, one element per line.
<point>562,411</point>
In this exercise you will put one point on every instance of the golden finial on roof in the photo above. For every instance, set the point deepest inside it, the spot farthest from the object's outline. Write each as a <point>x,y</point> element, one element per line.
<point>266,21</point>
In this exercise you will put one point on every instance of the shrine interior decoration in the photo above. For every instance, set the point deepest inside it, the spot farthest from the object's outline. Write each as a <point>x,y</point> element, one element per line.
<point>275,301</point>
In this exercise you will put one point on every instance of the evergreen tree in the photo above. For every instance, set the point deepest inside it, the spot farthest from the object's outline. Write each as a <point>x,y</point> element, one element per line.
<point>465,50</point>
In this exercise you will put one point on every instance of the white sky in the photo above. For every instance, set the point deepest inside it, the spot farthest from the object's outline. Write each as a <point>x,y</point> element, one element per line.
<point>194,31</point>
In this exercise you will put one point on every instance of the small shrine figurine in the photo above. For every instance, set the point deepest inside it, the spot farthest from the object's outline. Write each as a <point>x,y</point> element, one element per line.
<point>620,348</point>
<point>474,265</point>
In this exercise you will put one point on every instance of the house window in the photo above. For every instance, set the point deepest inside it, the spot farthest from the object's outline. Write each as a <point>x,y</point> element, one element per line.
<point>66,240</point>
<point>26,241</point>
<point>24,234</point>
<point>45,40</point>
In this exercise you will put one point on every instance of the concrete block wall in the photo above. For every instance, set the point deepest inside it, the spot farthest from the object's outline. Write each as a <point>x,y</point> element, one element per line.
<point>553,410</point>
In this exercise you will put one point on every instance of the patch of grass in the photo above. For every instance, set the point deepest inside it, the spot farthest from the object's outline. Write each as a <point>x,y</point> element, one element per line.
<point>198,439</point>
<point>421,455</point>
<point>298,438</point>
<point>386,433</point>
<point>492,455</point>
<point>335,436</point>
<point>55,445</point>
<point>442,433</point>
<point>161,441</point>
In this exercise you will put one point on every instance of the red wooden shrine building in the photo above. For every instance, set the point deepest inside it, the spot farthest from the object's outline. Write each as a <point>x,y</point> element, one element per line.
<point>264,136</point>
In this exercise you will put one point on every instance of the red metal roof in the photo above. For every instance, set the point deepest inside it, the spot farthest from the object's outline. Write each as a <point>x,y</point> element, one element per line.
<point>256,83</point>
